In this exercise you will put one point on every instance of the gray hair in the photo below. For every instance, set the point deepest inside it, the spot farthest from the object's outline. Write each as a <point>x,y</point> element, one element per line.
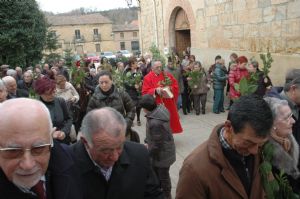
<point>292,78</point>
<point>27,104</point>
<point>11,72</point>
<point>7,79</point>
<point>101,120</point>
<point>2,85</point>
<point>275,104</point>
<point>29,72</point>
<point>154,60</point>
<point>255,64</point>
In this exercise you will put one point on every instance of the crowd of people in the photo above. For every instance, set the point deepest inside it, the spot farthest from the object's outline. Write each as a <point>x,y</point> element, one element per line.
<point>75,140</point>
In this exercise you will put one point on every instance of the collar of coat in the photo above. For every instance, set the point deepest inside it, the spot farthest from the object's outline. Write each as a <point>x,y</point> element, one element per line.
<point>86,164</point>
<point>287,161</point>
<point>100,96</point>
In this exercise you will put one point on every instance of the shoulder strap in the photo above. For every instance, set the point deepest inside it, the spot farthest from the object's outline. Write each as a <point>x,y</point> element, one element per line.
<point>119,93</point>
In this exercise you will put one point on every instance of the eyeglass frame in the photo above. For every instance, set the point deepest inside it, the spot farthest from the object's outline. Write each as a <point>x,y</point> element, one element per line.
<point>21,151</point>
<point>287,118</point>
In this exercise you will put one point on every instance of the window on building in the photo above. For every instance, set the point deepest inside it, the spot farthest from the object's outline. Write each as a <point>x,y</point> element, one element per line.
<point>134,34</point>
<point>96,31</point>
<point>122,35</point>
<point>135,46</point>
<point>122,45</point>
<point>77,34</point>
<point>97,47</point>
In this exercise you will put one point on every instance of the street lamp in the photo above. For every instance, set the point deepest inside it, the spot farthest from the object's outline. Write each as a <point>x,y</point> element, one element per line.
<point>129,3</point>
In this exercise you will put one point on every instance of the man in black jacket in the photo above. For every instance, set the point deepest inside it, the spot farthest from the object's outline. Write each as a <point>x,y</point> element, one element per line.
<point>12,90</point>
<point>32,166</point>
<point>110,167</point>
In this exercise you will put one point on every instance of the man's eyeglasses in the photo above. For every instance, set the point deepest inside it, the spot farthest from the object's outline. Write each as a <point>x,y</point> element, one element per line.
<point>17,152</point>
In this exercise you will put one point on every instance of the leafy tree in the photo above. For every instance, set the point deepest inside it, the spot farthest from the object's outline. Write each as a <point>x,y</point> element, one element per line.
<point>52,58</point>
<point>22,32</point>
<point>156,54</point>
<point>51,41</point>
<point>68,57</point>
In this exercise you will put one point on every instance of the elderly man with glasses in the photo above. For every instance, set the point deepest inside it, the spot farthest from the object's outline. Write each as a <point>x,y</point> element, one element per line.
<point>32,166</point>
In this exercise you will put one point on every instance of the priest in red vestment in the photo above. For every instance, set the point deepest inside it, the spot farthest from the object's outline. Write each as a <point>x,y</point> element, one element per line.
<point>164,87</point>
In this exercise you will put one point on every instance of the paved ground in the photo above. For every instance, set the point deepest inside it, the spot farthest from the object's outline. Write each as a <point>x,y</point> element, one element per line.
<point>196,130</point>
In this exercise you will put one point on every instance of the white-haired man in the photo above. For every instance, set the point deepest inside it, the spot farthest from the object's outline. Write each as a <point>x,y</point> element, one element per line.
<point>31,165</point>
<point>12,90</point>
<point>110,167</point>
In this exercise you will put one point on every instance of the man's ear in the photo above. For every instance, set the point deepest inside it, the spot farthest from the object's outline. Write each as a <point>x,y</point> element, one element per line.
<point>227,125</point>
<point>228,131</point>
<point>84,141</point>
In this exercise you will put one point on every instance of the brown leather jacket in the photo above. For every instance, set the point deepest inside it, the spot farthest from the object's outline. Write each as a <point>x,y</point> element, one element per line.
<point>206,173</point>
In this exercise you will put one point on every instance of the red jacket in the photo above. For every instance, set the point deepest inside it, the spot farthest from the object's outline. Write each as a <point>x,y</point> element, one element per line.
<point>235,76</point>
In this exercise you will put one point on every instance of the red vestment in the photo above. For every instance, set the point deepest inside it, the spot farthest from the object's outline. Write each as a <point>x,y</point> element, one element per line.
<point>150,83</point>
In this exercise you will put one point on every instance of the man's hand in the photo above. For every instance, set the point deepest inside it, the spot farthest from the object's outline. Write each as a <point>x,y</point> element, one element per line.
<point>159,90</point>
<point>60,135</point>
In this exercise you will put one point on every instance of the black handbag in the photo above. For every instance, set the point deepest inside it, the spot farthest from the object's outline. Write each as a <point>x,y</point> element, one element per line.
<point>134,136</point>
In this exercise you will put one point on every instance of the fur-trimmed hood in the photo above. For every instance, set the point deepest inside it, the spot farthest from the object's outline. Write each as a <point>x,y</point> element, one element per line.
<point>286,161</point>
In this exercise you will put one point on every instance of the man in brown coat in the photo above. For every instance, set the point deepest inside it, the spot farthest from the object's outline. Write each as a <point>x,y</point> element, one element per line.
<point>226,165</point>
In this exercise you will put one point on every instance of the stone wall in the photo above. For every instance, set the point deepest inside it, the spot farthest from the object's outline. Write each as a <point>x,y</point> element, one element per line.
<point>247,27</point>
<point>66,35</point>
<point>128,38</point>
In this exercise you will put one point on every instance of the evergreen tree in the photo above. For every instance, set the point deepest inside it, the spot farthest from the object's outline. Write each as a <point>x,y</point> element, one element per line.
<point>22,32</point>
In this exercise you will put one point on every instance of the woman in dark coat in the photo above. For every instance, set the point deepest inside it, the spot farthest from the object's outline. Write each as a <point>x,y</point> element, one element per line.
<point>263,83</point>
<point>107,95</point>
<point>132,87</point>
<point>60,116</point>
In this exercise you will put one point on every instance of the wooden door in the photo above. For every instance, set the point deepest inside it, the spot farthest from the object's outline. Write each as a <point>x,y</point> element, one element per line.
<point>183,40</point>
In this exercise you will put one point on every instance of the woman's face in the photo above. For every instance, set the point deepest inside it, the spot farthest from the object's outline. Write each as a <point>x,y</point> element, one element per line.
<point>134,65</point>
<point>284,121</point>
<point>61,82</point>
<point>48,96</point>
<point>196,67</point>
<point>251,68</point>
<point>105,83</point>
<point>232,59</point>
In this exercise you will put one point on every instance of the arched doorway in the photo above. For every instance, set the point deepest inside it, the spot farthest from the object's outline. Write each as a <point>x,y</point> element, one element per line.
<point>180,34</point>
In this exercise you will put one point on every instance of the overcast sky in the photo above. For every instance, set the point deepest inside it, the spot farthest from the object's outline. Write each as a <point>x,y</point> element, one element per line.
<point>60,6</point>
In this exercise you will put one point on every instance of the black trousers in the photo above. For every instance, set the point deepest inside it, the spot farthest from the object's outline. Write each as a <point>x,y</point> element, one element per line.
<point>200,98</point>
<point>186,103</point>
<point>165,180</point>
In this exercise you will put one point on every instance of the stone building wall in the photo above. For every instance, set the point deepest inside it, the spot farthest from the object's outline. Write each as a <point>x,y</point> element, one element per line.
<point>247,27</point>
<point>129,37</point>
<point>66,35</point>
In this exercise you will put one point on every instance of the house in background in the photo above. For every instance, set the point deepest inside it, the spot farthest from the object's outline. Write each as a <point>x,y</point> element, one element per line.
<point>90,33</point>
<point>126,37</point>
